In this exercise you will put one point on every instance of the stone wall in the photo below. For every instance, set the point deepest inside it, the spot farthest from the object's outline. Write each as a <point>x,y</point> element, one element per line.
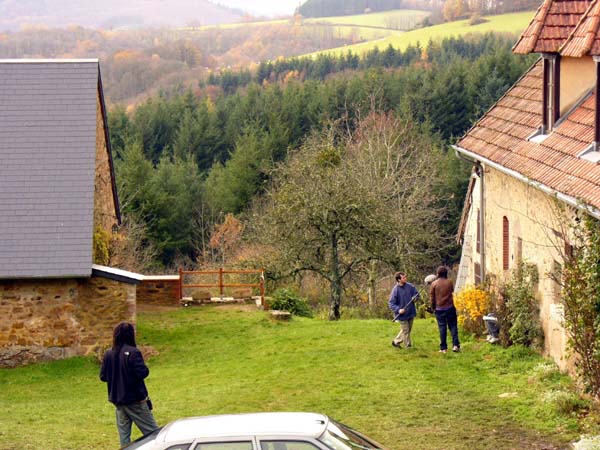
<point>42,320</point>
<point>159,290</point>
<point>105,214</point>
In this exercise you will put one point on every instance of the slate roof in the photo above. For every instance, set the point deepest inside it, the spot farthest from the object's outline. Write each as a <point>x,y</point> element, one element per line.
<point>501,136</point>
<point>551,26</point>
<point>47,157</point>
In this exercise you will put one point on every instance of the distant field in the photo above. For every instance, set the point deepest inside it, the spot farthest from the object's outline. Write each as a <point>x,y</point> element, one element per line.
<point>226,26</point>
<point>505,23</point>
<point>361,27</point>
<point>399,19</point>
<point>354,32</point>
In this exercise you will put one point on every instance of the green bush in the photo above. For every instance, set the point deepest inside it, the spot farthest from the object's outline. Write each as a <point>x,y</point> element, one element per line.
<point>520,312</point>
<point>288,300</point>
<point>581,299</point>
<point>565,402</point>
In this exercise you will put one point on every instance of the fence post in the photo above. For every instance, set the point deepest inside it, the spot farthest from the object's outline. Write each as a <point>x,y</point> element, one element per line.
<point>221,282</point>
<point>263,303</point>
<point>180,287</point>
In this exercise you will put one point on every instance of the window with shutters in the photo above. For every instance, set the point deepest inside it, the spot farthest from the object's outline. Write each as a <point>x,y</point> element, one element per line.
<point>505,249</point>
<point>568,251</point>
<point>557,279</point>
<point>551,90</point>
<point>477,272</point>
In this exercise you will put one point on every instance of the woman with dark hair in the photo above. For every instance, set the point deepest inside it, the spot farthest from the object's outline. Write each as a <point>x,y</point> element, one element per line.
<point>124,371</point>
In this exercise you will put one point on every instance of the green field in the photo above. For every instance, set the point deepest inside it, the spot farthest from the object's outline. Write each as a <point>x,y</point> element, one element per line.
<point>236,359</point>
<point>357,33</point>
<point>400,19</point>
<point>505,23</point>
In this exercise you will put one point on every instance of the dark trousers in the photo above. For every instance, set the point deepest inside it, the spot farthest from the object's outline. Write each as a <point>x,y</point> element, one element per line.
<point>138,413</point>
<point>447,319</point>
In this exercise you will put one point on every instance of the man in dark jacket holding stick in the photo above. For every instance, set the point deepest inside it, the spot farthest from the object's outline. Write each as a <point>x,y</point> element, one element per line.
<point>402,303</point>
<point>124,370</point>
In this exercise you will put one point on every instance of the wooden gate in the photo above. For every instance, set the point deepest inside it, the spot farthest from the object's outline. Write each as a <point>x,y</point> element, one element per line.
<point>221,284</point>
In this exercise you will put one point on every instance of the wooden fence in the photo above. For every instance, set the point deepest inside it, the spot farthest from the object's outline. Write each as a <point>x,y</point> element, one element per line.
<point>221,285</point>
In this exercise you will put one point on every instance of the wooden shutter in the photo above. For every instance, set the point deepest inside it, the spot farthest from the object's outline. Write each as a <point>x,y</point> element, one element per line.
<point>568,251</point>
<point>477,271</point>
<point>505,249</point>
<point>478,243</point>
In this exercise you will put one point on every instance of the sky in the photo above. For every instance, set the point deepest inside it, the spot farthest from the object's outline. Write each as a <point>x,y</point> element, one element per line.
<point>263,7</point>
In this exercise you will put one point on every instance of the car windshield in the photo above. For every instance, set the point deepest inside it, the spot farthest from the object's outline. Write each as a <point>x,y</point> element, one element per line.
<point>144,441</point>
<point>338,436</point>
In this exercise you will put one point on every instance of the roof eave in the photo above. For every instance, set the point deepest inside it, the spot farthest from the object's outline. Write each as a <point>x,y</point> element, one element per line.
<point>568,199</point>
<point>116,274</point>
<point>109,148</point>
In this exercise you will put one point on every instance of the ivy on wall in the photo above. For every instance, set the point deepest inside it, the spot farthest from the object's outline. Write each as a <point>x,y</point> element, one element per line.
<point>101,251</point>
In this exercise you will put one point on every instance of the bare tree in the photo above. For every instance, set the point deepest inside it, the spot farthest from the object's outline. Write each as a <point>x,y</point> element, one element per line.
<point>342,201</point>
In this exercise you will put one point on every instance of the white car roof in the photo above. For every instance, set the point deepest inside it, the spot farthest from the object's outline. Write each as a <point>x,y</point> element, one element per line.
<point>269,423</point>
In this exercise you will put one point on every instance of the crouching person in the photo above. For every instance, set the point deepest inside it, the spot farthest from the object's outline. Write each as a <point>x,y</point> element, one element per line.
<point>124,371</point>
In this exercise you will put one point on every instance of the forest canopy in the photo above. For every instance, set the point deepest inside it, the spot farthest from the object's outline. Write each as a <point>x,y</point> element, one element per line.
<point>184,160</point>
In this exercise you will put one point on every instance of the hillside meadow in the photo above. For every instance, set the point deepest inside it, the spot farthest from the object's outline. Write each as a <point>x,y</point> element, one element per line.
<point>358,27</point>
<point>513,23</point>
<point>399,19</point>
<point>233,359</point>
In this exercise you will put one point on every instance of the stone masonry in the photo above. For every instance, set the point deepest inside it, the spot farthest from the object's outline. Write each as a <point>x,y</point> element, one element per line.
<point>55,319</point>
<point>159,290</point>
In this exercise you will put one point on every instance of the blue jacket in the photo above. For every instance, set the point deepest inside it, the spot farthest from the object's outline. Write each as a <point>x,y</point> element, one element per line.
<point>124,370</point>
<point>400,297</point>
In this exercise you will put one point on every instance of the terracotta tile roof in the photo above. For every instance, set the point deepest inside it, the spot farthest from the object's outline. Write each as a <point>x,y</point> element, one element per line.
<point>501,137</point>
<point>551,26</point>
<point>584,39</point>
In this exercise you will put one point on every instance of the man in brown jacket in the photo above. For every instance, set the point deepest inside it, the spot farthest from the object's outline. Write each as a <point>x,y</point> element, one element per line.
<point>442,302</point>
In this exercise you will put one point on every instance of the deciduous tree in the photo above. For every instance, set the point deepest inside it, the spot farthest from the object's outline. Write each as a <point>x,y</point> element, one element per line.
<point>342,201</point>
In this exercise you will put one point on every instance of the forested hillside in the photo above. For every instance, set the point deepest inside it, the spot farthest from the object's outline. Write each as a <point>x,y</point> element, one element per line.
<point>184,161</point>
<point>108,14</point>
<point>136,63</point>
<point>442,10</point>
<point>325,8</point>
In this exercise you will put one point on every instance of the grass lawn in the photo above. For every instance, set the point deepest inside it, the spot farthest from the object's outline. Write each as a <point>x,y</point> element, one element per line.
<point>235,359</point>
<point>505,23</point>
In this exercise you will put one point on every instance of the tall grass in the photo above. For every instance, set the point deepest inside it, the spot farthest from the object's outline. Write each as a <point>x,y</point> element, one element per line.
<point>233,359</point>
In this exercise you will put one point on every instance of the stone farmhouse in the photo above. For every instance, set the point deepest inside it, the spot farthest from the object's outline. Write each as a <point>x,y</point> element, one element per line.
<point>58,191</point>
<point>536,154</point>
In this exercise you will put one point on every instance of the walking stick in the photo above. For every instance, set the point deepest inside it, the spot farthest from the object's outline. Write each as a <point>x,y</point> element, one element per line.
<point>406,306</point>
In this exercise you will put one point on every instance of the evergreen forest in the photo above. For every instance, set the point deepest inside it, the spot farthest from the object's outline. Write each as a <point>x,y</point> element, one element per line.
<point>189,164</point>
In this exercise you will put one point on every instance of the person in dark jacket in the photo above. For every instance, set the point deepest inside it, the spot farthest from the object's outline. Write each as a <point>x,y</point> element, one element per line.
<point>442,302</point>
<point>402,303</point>
<point>124,371</point>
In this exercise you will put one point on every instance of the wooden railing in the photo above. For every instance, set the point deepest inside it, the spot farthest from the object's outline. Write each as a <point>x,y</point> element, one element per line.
<point>221,285</point>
